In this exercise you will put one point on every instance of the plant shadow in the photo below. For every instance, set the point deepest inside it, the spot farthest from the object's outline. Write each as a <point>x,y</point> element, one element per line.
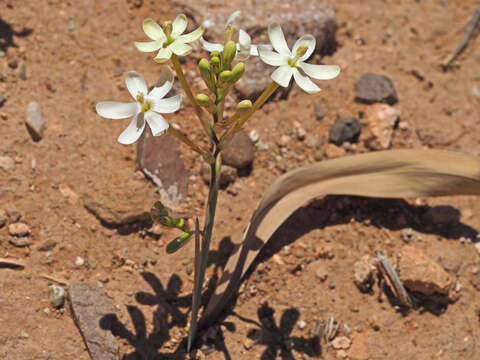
<point>7,35</point>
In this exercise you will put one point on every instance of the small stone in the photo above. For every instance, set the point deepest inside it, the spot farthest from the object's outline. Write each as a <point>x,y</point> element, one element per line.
<point>34,121</point>
<point>3,218</point>
<point>79,261</point>
<point>24,335</point>
<point>71,26</point>
<point>56,295</point>
<point>20,241</point>
<point>301,133</point>
<point>344,129</point>
<point>322,271</point>
<point>332,286</point>
<point>382,119</point>
<point>318,154</point>
<point>363,273</point>
<point>319,111</point>
<point>420,273</point>
<point>301,324</point>
<point>228,174</point>
<point>332,151</point>
<point>418,74</point>
<point>18,229</point>
<point>341,354</point>
<point>22,72</point>
<point>47,245</point>
<point>403,125</point>
<point>278,259</point>
<point>253,134</point>
<point>240,151</point>
<point>68,193</point>
<point>283,141</point>
<point>2,53</point>
<point>248,343</point>
<point>13,64</point>
<point>6,163</point>
<point>341,342</point>
<point>2,100</point>
<point>94,315</point>
<point>373,88</point>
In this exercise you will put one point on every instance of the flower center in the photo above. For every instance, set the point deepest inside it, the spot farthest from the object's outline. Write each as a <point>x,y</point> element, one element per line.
<point>145,105</point>
<point>302,49</point>
<point>167,27</point>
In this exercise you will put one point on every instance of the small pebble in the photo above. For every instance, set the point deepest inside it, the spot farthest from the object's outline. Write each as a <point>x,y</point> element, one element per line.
<point>71,26</point>
<point>24,335</point>
<point>3,218</point>
<point>22,72</point>
<point>302,324</point>
<point>2,53</point>
<point>2,100</point>
<point>332,286</point>
<point>79,261</point>
<point>283,140</point>
<point>319,111</point>
<point>13,64</point>
<point>18,229</point>
<point>56,295</point>
<point>254,136</point>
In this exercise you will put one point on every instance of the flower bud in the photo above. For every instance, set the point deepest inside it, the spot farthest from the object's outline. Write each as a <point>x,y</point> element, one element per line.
<point>215,61</point>
<point>229,32</point>
<point>224,78</point>
<point>237,72</point>
<point>228,54</point>
<point>214,53</point>
<point>207,75</point>
<point>244,106</point>
<point>203,100</point>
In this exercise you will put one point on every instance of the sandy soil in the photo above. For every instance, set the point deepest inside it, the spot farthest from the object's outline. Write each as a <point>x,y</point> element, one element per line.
<point>76,54</point>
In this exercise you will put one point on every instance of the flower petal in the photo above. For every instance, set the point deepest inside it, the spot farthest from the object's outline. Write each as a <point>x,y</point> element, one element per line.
<point>163,55</point>
<point>271,58</point>
<point>133,131</point>
<point>277,39</point>
<point>232,17</point>
<point>282,75</point>
<point>321,72</point>
<point>254,48</point>
<point>135,84</point>
<point>179,25</point>
<point>167,105</point>
<point>180,48</point>
<point>210,46</point>
<point>148,46</point>
<point>243,46</point>
<point>307,40</point>
<point>157,123</point>
<point>164,84</point>
<point>116,110</point>
<point>153,30</point>
<point>194,35</point>
<point>304,82</point>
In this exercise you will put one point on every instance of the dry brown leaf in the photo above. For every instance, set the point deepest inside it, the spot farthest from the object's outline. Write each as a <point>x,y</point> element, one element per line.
<point>385,174</point>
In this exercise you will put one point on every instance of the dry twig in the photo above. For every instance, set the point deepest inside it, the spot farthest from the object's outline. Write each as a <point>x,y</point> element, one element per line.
<point>10,263</point>
<point>472,24</point>
<point>389,273</point>
<point>54,279</point>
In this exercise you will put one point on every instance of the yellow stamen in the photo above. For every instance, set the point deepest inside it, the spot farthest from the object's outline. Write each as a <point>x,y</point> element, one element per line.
<point>302,49</point>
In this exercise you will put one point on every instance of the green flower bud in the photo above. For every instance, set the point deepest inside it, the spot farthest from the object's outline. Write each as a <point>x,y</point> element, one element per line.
<point>237,72</point>
<point>203,100</point>
<point>244,105</point>
<point>224,78</point>
<point>216,64</point>
<point>214,54</point>
<point>228,54</point>
<point>207,75</point>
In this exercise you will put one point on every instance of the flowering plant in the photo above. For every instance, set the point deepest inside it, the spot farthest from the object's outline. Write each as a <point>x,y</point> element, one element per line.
<point>220,72</point>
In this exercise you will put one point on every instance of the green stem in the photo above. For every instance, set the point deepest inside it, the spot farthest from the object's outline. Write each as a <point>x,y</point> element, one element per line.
<point>198,110</point>
<point>183,138</point>
<point>207,236</point>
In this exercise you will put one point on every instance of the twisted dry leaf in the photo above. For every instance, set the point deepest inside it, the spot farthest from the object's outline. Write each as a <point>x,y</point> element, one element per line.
<point>385,174</point>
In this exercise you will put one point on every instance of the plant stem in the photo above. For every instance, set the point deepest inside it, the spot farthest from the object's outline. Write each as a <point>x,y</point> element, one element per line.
<point>198,110</point>
<point>201,262</point>
<point>183,138</point>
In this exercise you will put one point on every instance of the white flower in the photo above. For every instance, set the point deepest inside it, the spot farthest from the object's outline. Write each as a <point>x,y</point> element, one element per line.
<point>169,41</point>
<point>244,42</point>
<point>146,108</point>
<point>292,63</point>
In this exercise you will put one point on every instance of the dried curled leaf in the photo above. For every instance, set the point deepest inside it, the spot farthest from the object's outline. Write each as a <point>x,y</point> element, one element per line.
<point>385,174</point>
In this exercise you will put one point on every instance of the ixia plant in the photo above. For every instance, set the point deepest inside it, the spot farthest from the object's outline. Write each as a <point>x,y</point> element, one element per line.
<point>224,66</point>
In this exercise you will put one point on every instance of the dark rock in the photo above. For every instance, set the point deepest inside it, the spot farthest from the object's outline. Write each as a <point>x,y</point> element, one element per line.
<point>93,313</point>
<point>159,158</point>
<point>34,121</point>
<point>373,88</point>
<point>344,129</point>
<point>240,151</point>
<point>319,111</point>
<point>296,18</point>
<point>2,100</point>
<point>3,218</point>
<point>13,64</point>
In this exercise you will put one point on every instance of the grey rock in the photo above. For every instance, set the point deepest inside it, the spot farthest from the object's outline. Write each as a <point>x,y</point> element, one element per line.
<point>319,111</point>
<point>2,100</point>
<point>22,72</point>
<point>344,129</point>
<point>34,121</point>
<point>240,151</point>
<point>227,174</point>
<point>93,313</point>
<point>296,18</point>
<point>13,213</point>
<point>373,88</point>
<point>47,245</point>
<point>159,158</point>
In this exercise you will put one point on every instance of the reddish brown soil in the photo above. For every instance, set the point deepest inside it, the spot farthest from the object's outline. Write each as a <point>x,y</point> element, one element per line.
<point>68,71</point>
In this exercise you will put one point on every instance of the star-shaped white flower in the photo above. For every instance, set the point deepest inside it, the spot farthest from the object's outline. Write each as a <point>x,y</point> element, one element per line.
<point>292,63</point>
<point>169,41</point>
<point>243,40</point>
<point>146,108</point>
